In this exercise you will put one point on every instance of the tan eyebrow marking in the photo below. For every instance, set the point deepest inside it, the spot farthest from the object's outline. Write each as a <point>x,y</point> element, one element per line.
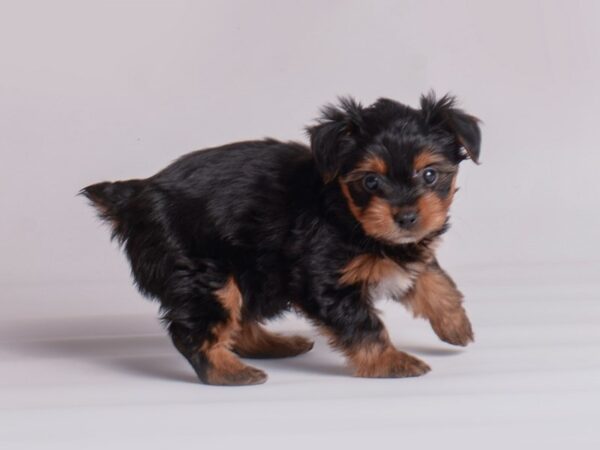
<point>373,164</point>
<point>427,158</point>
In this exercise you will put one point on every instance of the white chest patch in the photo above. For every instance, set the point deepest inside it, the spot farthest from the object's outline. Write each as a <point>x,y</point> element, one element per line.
<point>394,285</point>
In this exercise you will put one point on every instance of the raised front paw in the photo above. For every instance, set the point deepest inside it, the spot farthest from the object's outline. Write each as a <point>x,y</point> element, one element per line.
<point>389,363</point>
<point>453,327</point>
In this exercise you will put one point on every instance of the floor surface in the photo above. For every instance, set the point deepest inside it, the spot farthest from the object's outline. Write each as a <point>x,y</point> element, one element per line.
<point>87,366</point>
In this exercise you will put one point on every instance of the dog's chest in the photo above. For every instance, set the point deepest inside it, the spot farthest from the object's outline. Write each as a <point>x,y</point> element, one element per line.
<point>382,277</point>
<point>393,285</point>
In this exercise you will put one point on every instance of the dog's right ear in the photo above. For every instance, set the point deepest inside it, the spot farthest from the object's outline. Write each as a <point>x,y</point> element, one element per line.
<point>333,138</point>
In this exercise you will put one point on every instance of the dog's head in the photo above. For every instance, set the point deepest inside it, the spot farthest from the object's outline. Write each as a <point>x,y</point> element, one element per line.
<point>396,166</point>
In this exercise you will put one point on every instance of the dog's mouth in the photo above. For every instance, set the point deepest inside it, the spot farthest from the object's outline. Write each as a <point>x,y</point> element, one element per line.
<point>403,237</point>
<point>406,240</point>
<point>398,236</point>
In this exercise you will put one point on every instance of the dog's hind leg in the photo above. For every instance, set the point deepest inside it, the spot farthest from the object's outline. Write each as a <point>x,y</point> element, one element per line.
<point>253,341</point>
<point>200,302</point>
<point>202,328</point>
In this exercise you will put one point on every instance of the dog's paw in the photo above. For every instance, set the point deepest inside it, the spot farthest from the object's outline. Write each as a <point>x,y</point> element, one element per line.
<point>221,367</point>
<point>271,345</point>
<point>243,376</point>
<point>299,345</point>
<point>392,364</point>
<point>454,328</point>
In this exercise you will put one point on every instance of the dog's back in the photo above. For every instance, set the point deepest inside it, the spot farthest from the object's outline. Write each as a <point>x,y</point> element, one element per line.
<point>210,204</point>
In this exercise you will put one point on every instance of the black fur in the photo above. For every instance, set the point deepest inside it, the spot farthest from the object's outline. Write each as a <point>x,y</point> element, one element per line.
<point>269,214</point>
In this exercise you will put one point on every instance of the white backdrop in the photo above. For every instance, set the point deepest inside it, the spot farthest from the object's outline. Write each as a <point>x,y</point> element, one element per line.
<point>107,90</point>
<point>97,90</point>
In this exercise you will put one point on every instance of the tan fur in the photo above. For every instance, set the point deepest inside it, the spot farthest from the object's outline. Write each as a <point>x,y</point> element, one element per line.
<point>432,212</point>
<point>253,341</point>
<point>367,269</point>
<point>376,218</point>
<point>435,297</point>
<point>381,360</point>
<point>372,164</point>
<point>355,210</point>
<point>376,358</point>
<point>230,297</point>
<point>427,158</point>
<point>224,367</point>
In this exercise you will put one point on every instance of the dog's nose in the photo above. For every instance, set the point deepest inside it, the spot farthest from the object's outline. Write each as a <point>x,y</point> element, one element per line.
<point>407,219</point>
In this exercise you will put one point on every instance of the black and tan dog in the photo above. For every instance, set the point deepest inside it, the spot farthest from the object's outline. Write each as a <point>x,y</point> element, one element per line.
<point>228,237</point>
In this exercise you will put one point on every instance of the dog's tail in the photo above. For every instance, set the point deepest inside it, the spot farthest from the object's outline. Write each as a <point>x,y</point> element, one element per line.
<point>111,200</point>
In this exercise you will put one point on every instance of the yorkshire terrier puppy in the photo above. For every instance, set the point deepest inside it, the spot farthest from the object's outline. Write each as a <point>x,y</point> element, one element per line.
<point>228,237</point>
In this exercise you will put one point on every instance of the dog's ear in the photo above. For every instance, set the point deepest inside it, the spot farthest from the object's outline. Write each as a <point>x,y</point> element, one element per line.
<point>463,126</point>
<point>333,137</point>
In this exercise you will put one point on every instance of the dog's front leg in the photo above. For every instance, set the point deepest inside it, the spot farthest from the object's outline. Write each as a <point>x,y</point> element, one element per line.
<point>436,298</point>
<point>353,327</point>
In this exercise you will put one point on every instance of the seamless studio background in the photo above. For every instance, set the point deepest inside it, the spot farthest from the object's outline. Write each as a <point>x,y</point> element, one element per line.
<point>93,91</point>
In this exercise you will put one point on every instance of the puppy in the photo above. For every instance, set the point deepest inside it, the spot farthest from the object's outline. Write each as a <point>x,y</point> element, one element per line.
<point>228,237</point>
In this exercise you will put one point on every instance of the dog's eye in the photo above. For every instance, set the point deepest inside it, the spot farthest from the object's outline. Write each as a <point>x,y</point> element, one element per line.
<point>430,176</point>
<point>371,182</point>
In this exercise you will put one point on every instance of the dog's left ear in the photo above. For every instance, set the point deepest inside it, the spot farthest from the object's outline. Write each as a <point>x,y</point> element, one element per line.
<point>463,126</point>
<point>333,138</point>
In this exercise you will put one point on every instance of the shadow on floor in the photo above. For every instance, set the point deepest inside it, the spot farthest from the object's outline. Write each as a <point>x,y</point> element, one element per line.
<point>129,344</point>
<point>138,345</point>
<point>431,351</point>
